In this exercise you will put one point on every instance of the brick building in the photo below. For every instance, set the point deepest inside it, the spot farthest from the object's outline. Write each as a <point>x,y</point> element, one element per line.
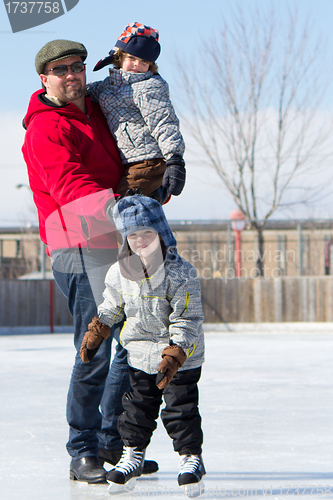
<point>291,248</point>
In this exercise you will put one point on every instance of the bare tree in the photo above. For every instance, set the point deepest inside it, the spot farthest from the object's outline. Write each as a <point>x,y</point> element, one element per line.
<point>252,110</point>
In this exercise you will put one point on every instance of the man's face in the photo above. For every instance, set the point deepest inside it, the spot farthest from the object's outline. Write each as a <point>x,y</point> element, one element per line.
<point>68,88</point>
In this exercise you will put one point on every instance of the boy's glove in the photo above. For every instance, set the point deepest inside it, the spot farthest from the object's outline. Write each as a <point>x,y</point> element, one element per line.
<point>174,176</point>
<point>173,358</point>
<point>93,339</point>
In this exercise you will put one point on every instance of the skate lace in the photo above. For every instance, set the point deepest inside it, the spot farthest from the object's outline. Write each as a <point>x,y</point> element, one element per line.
<point>189,464</point>
<point>129,461</point>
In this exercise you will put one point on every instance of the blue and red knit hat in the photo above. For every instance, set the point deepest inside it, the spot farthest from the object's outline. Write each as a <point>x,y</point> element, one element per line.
<point>139,41</point>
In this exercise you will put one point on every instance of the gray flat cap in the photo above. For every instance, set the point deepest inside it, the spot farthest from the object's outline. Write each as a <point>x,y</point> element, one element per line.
<point>57,50</point>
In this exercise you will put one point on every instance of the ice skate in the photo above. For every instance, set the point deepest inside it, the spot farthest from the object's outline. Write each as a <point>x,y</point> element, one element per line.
<point>191,472</point>
<point>123,476</point>
<point>112,457</point>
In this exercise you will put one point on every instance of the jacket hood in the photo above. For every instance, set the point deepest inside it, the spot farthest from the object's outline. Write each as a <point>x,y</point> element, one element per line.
<point>136,212</point>
<point>41,104</point>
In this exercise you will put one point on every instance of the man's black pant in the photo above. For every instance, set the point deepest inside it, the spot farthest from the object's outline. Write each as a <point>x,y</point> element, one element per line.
<point>180,416</point>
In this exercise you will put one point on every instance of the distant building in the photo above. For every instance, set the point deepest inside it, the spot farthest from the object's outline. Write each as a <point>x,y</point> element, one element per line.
<point>291,248</point>
<point>21,252</point>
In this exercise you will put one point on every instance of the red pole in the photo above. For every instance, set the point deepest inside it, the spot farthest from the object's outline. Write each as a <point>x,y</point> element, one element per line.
<point>238,254</point>
<point>238,223</point>
<point>51,307</point>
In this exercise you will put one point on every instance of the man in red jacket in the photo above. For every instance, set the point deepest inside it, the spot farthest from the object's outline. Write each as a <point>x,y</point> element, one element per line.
<point>74,169</point>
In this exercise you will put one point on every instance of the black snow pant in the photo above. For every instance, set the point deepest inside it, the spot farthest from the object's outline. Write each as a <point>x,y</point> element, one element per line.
<point>180,417</point>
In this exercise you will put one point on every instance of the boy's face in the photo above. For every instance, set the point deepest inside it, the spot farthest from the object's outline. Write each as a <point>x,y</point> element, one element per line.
<point>134,64</point>
<point>144,242</point>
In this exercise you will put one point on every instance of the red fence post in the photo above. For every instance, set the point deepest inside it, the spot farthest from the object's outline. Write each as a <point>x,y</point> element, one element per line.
<point>51,307</point>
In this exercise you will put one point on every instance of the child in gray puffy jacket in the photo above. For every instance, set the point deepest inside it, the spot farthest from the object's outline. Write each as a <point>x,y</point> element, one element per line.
<point>135,101</point>
<point>159,294</point>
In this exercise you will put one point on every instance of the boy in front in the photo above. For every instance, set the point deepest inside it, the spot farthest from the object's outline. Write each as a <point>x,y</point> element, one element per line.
<point>159,293</point>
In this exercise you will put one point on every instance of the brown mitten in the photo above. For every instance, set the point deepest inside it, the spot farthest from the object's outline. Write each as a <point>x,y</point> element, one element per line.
<point>93,338</point>
<point>173,358</point>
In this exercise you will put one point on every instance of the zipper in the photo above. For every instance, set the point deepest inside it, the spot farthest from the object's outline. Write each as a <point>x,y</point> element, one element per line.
<point>187,301</point>
<point>129,137</point>
<point>85,229</point>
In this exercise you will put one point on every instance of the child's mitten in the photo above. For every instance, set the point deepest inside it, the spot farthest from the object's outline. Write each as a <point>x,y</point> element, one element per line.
<point>93,339</point>
<point>174,176</point>
<point>173,358</point>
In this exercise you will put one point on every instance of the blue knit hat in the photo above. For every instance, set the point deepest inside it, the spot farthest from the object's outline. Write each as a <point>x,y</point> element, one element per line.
<point>133,213</point>
<point>139,41</point>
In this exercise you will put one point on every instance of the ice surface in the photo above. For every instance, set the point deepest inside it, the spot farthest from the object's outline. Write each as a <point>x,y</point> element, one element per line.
<point>266,399</point>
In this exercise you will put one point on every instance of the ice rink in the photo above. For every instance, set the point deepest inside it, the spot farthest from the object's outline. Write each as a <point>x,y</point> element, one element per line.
<point>266,399</point>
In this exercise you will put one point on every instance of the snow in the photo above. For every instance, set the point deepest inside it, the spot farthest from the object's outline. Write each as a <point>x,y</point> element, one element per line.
<point>265,399</point>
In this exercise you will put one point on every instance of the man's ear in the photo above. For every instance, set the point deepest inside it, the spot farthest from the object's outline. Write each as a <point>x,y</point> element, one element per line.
<point>44,80</point>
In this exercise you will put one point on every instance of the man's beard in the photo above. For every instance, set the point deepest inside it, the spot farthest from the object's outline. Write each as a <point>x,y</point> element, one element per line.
<point>72,94</point>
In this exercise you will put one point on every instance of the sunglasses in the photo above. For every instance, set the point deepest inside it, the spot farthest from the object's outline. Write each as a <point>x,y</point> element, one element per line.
<point>62,70</point>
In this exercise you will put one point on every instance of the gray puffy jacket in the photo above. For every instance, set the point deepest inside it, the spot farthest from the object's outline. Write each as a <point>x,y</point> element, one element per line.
<point>165,307</point>
<point>140,115</point>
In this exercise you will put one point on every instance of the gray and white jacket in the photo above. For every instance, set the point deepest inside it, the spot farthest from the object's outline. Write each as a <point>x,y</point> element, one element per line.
<point>140,115</point>
<point>165,307</point>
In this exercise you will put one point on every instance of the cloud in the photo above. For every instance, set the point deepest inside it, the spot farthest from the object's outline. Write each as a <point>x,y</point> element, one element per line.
<point>203,198</point>
<point>16,206</point>
<point>311,187</point>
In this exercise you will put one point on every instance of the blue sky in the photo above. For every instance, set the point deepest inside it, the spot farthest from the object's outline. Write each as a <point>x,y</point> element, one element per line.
<point>182,24</point>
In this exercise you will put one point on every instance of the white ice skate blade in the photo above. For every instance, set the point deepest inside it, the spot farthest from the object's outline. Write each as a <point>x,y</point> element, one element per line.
<point>116,489</point>
<point>194,490</point>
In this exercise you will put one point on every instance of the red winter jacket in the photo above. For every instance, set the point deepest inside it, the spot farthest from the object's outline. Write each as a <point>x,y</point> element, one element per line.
<point>74,168</point>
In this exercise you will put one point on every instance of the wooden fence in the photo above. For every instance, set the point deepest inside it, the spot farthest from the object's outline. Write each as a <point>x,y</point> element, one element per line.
<point>40,302</point>
<point>32,303</point>
<point>268,300</point>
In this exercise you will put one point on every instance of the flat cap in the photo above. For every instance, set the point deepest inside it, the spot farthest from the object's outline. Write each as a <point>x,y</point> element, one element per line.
<point>57,50</point>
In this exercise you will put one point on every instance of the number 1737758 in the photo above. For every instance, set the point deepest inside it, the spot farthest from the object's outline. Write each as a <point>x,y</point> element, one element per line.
<point>33,7</point>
